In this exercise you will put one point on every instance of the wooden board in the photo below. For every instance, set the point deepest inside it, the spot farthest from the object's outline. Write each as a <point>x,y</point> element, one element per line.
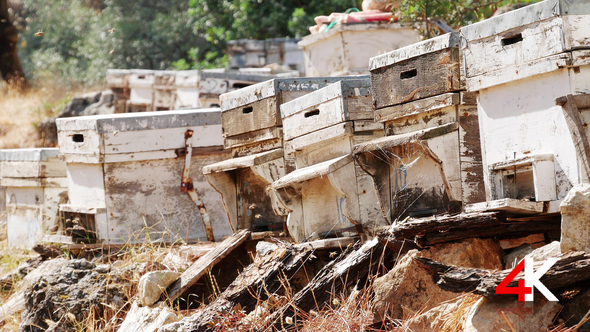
<point>470,155</point>
<point>425,76</point>
<point>205,263</point>
<point>258,137</point>
<point>251,117</point>
<point>508,205</point>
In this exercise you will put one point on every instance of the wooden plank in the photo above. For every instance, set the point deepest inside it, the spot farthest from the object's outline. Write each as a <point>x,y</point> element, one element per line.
<point>251,117</point>
<point>320,136</point>
<point>472,180</point>
<point>336,243</point>
<point>253,137</point>
<point>577,130</point>
<point>416,107</point>
<point>205,263</point>
<point>571,268</point>
<point>447,228</point>
<point>256,283</point>
<point>423,120</point>
<point>425,76</point>
<point>508,205</point>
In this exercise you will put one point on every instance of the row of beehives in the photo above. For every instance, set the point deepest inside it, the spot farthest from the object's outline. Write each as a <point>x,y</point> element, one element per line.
<point>488,118</point>
<point>139,90</point>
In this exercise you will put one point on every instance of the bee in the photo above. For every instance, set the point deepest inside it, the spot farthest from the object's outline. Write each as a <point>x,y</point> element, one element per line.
<point>112,30</point>
<point>112,51</point>
<point>333,254</point>
<point>38,33</point>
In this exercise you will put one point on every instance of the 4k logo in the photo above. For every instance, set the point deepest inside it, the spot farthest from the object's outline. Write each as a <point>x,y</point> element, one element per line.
<point>531,280</point>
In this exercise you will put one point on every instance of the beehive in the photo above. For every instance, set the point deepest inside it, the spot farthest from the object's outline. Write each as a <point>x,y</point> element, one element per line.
<point>125,174</point>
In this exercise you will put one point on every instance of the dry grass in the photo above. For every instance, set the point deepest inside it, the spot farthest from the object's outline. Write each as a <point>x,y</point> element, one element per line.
<point>22,110</point>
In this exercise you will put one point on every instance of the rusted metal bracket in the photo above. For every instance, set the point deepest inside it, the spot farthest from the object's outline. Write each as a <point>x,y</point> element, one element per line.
<point>186,186</point>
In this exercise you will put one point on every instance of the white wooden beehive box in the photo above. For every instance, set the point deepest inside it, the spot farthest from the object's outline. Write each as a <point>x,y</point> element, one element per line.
<point>530,41</point>
<point>125,174</point>
<point>430,160</point>
<point>251,116</point>
<point>141,91</point>
<point>35,181</point>
<point>164,90</point>
<point>328,195</point>
<point>418,71</point>
<point>118,81</point>
<point>186,86</point>
<point>347,48</point>
<point>521,63</point>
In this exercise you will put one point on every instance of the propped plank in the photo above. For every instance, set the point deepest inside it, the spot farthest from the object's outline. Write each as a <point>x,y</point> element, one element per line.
<point>205,263</point>
<point>571,268</point>
<point>336,243</point>
<point>257,281</point>
<point>352,267</point>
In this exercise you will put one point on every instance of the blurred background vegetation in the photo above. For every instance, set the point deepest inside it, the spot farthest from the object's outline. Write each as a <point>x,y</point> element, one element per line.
<point>75,41</point>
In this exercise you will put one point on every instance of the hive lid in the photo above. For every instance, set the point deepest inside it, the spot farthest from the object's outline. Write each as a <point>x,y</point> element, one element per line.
<point>445,41</point>
<point>39,154</point>
<point>141,121</point>
<point>312,172</point>
<point>524,16</point>
<point>271,88</point>
<point>352,86</point>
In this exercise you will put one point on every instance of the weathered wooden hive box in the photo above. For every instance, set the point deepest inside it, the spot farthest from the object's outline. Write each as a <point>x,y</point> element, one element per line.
<point>522,63</point>
<point>328,195</point>
<point>164,90</point>
<point>125,174</point>
<point>347,48</point>
<point>214,83</point>
<point>430,160</point>
<point>118,81</point>
<point>35,181</point>
<point>253,131</point>
<point>186,85</point>
<point>141,87</point>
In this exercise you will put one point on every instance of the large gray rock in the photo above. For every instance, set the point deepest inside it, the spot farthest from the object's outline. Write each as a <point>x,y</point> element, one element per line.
<point>494,314</point>
<point>65,298</point>
<point>153,284</point>
<point>408,289</point>
<point>575,224</point>
<point>147,319</point>
<point>93,103</point>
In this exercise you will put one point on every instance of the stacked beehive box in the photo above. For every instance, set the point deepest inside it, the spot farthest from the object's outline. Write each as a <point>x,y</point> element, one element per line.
<point>141,91</point>
<point>327,194</point>
<point>347,48</point>
<point>252,129</point>
<point>531,69</point>
<point>35,181</point>
<point>186,86</point>
<point>118,81</point>
<point>430,161</point>
<point>137,177</point>
<point>164,90</point>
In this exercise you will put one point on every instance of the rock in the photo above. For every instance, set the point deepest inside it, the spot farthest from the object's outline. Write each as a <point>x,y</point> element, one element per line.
<point>408,289</point>
<point>263,248</point>
<point>545,252</point>
<point>181,258</point>
<point>147,319</point>
<point>153,284</point>
<point>493,314</point>
<point>575,226</point>
<point>94,103</point>
<point>516,255</point>
<point>65,298</point>
<point>17,301</point>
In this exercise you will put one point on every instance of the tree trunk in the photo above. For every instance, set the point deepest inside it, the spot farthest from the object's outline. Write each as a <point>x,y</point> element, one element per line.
<point>10,67</point>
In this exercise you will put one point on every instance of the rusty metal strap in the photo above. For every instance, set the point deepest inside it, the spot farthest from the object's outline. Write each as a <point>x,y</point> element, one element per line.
<point>186,186</point>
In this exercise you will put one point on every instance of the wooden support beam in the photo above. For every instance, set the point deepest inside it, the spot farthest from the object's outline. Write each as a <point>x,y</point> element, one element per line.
<point>575,124</point>
<point>571,268</point>
<point>205,263</point>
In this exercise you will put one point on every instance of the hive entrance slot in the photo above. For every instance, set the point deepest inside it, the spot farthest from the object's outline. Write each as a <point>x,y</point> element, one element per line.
<point>408,74</point>
<point>239,85</point>
<point>78,138</point>
<point>312,113</point>
<point>247,110</point>
<point>512,40</point>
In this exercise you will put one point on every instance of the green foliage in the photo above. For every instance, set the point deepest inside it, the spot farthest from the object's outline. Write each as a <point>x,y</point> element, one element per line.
<point>220,21</point>
<point>456,13</point>
<point>80,41</point>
